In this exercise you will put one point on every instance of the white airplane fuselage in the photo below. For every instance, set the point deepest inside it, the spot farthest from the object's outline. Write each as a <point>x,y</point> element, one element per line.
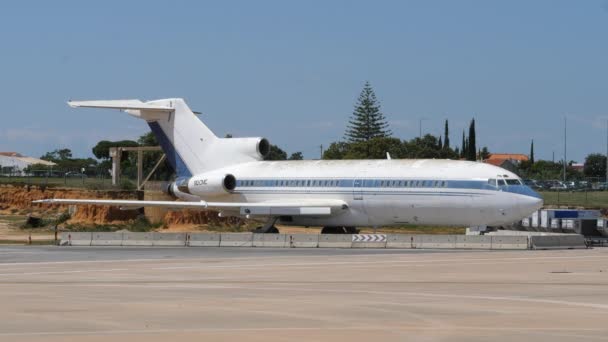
<point>387,192</point>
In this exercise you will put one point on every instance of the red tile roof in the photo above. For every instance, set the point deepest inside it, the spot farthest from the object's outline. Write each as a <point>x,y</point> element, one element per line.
<point>509,156</point>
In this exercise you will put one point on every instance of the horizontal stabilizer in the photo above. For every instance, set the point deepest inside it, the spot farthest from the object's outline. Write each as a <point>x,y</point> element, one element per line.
<point>121,104</point>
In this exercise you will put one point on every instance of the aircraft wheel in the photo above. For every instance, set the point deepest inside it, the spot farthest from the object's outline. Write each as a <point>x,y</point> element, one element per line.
<point>270,230</point>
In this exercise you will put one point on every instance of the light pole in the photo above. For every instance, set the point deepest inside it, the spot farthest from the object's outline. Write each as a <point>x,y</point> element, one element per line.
<point>565,141</point>
<point>420,127</point>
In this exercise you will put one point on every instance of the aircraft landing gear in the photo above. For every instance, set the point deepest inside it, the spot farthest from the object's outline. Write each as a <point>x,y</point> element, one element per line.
<point>268,227</point>
<point>339,230</point>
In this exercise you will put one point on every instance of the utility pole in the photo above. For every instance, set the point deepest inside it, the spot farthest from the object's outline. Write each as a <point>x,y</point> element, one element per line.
<point>565,150</point>
<point>321,148</point>
<point>420,127</point>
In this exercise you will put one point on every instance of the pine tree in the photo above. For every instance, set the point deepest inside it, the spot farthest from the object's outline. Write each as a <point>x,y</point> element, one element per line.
<point>440,144</point>
<point>463,150</point>
<point>532,152</point>
<point>472,154</point>
<point>446,136</point>
<point>367,121</point>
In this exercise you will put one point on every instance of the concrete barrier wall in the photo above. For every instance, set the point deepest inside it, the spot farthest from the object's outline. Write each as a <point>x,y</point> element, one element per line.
<point>169,239</point>
<point>510,242</point>
<point>137,239</point>
<point>435,241</point>
<point>400,241</point>
<point>75,239</point>
<point>106,239</point>
<point>324,241</point>
<point>473,242</point>
<point>558,242</point>
<point>269,240</point>
<point>302,240</point>
<point>236,240</point>
<point>335,241</point>
<point>204,240</point>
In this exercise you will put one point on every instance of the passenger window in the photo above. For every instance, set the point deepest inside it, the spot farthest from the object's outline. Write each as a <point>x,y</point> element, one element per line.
<point>308,183</point>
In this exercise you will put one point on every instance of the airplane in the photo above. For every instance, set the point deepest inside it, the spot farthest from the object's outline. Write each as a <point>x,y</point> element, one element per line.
<point>230,175</point>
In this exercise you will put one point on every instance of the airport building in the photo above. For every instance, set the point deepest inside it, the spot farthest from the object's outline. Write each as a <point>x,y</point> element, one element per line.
<point>15,164</point>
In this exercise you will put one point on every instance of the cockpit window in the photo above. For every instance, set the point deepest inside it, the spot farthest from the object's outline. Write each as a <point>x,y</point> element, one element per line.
<point>492,182</point>
<point>501,182</point>
<point>513,182</point>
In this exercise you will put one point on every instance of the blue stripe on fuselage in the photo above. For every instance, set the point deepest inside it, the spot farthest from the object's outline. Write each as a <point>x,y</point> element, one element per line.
<point>172,155</point>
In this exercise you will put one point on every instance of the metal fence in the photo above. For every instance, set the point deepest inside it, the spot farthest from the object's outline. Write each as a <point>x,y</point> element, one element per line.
<point>99,182</point>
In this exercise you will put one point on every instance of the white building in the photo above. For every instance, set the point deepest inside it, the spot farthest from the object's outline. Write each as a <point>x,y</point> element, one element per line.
<point>14,163</point>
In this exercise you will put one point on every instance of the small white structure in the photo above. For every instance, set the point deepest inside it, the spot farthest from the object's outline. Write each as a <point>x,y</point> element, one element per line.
<point>14,163</point>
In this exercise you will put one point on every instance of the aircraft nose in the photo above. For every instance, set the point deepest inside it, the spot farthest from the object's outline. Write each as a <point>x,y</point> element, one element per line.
<point>530,204</point>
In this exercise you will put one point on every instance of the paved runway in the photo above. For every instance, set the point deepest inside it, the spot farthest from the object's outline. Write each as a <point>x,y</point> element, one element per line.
<point>195,294</point>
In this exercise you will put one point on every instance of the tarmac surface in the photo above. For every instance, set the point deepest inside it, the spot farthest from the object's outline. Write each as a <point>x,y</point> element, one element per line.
<point>253,294</point>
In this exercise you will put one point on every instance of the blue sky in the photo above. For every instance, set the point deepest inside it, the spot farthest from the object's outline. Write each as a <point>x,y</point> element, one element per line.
<point>292,70</point>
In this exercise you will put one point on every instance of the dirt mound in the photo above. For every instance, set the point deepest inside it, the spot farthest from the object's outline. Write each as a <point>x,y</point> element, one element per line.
<point>19,198</point>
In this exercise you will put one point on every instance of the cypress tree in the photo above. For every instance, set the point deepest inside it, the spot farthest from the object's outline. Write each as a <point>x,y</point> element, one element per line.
<point>472,156</point>
<point>464,150</point>
<point>446,136</point>
<point>367,121</point>
<point>532,152</point>
<point>440,144</point>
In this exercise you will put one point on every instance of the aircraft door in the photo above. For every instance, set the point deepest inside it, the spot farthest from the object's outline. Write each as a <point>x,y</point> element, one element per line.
<point>357,191</point>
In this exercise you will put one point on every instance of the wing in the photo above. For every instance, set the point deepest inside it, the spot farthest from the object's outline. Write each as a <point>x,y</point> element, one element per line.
<point>304,207</point>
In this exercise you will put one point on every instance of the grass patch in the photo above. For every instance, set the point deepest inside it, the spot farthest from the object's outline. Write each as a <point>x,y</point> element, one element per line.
<point>92,183</point>
<point>587,199</point>
<point>416,229</point>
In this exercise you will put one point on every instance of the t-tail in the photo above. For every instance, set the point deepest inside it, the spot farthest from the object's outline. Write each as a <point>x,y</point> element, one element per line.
<point>189,145</point>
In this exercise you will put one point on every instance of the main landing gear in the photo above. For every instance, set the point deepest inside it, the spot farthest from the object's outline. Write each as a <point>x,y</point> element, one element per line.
<point>339,230</point>
<point>268,227</point>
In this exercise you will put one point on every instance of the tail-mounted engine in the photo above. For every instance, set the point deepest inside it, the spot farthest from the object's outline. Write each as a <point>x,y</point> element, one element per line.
<point>203,186</point>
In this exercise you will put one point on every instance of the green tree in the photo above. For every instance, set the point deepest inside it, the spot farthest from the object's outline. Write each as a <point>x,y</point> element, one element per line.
<point>472,147</point>
<point>165,171</point>
<point>446,135</point>
<point>376,148</point>
<point>464,148</point>
<point>58,155</point>
<point>276,153</point>
<point>532,152</point>
<point>595,165</point>
<point>336,150</point>
<point>102,149</point>
<point>484,153</point>
<point>440,144</point>
<point>296,156</point>
<point>367,121</point>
